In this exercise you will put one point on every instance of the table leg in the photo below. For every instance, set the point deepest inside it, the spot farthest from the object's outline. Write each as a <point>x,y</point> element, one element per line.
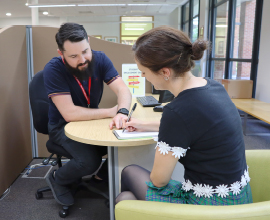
<point>113,178</point>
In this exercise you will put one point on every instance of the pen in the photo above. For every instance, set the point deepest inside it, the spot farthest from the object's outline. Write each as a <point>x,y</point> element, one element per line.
<point>133,108</point>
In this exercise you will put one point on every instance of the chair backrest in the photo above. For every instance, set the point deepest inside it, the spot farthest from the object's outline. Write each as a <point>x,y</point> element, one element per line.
<point>259,171</point>
<point>39,102</point>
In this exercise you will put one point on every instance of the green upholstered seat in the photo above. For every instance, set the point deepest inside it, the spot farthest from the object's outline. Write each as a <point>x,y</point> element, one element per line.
<point>259,171</point>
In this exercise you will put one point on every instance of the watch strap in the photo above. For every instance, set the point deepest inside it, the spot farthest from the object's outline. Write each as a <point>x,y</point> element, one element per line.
<point>123,111</point>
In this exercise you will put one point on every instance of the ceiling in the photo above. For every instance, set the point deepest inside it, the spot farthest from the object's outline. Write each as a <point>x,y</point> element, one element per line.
<point>18,8</point>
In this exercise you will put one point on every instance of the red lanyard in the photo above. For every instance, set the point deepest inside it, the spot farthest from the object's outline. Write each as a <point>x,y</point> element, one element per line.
<point>84,93</point>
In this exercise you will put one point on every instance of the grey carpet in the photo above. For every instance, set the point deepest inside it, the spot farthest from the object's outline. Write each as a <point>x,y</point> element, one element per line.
<point>21,204</point>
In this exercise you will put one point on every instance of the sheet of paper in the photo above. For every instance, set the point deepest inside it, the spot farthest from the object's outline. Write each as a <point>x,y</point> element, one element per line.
<point>134,134</point>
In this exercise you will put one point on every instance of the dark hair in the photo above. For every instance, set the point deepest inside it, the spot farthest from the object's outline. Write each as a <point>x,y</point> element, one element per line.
<point>168,47</point>
<point>70,31</point>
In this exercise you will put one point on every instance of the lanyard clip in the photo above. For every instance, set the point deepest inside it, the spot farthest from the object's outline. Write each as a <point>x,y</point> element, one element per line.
<point>88,105</point>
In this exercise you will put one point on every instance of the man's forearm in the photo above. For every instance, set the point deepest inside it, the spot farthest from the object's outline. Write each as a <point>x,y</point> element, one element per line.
<point>124,98</point>
<point>83,114</point>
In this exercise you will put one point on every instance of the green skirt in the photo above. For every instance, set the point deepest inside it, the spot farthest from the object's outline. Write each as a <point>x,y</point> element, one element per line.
<point>173,193</point>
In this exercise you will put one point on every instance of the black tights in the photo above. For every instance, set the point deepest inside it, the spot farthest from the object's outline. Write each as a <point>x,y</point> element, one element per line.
<point>133,185</point>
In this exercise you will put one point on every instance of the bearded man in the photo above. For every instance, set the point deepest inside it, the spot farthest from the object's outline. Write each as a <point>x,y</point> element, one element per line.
<point>74,84</point>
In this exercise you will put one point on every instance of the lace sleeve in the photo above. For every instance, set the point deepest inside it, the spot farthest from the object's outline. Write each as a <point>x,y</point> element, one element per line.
<point>165,148</point>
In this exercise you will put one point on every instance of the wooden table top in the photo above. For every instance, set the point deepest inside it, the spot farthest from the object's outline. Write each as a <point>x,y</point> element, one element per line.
<point>254,107</point>
<point>97,132</point>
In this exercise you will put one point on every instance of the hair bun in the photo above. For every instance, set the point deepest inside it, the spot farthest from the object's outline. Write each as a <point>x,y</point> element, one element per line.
<point>198,47</point>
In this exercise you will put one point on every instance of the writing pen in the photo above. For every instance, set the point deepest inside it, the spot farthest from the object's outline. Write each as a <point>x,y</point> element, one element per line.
<point>133,109</point>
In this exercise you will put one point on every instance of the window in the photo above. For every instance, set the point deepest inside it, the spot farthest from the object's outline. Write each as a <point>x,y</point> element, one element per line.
<point>190,25</point>
<point>132,27</point>
<point>190,19</point>
<point>234,30</point>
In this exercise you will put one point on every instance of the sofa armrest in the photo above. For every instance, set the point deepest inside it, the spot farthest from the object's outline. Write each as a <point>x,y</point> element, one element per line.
<point>142,210</point>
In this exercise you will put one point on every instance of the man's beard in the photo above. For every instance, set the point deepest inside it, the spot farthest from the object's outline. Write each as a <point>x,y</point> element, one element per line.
<point>83,74</point>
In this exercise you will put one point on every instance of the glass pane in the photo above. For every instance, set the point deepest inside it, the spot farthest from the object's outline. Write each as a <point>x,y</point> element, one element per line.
<point>196,71</point>
<point>219,69</point>
<point>241,70</point>
<point>186,12</point>
<point>244,28</point>
<point>185,29</point>
<point>195,29</point>
<point>195,7</point>
<point>128,40</point>
<point>217,1</point>
<point>135,28</point>
<point>221,30</point>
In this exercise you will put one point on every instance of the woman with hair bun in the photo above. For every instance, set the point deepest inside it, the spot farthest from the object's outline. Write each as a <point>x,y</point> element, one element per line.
<point>201,128</point>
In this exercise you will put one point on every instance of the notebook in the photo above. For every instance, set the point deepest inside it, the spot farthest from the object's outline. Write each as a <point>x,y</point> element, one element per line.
<point>134,134</point>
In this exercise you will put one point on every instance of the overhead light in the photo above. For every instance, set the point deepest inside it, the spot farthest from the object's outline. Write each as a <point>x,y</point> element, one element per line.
<point>49,6</point>
<point>134,29</point>
<point>26,3</point>
<point>135,24</point>
<point>95,5</point>
<point>8,14</point>
<point>148,4</point>
<point>221,25</point>
<point>45,13</point>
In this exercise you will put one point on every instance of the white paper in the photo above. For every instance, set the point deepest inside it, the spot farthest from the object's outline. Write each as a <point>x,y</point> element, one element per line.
<point>134,134</point>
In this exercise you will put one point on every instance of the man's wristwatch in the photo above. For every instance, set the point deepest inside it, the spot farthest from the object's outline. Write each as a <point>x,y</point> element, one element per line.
<point>123,111</point>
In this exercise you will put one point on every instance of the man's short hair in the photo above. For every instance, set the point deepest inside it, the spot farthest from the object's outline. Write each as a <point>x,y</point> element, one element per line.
<point>70,31</point>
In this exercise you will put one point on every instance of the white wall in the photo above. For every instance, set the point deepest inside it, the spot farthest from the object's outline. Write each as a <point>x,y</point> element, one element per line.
<point>100,25</point>
<point>263,77</point>
<point>50,21</point>
<point>173,19</point>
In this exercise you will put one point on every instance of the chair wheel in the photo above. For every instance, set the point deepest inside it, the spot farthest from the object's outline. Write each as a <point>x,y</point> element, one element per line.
<point>54,163</point>
<point>39,195</point>
<point>64,212</point>
<point>45,161</point>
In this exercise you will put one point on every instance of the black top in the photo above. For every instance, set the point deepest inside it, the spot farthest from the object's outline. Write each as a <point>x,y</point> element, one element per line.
<point>58,81</point>
<point>205,120</point>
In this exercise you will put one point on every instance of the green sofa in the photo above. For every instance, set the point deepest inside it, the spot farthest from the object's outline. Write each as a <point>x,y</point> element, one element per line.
<point>259,171</point>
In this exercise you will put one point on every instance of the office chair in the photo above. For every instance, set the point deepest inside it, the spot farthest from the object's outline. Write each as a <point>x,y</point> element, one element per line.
<point>39,102</point>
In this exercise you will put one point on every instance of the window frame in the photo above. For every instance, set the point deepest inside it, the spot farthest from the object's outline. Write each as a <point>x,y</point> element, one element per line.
<point>254,60</point>
<point>190,18</point>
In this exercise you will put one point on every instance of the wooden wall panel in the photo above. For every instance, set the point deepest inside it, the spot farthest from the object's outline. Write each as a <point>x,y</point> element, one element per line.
<point>15,135</point>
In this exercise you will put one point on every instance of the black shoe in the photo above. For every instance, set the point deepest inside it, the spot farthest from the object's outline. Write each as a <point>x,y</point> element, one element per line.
<point>62,194</point>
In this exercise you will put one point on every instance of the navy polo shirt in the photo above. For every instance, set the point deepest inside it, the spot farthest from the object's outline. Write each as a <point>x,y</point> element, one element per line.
<point>58,81</point>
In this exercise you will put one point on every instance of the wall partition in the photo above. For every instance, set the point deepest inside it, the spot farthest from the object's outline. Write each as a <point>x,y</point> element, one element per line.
<point>15,134</point>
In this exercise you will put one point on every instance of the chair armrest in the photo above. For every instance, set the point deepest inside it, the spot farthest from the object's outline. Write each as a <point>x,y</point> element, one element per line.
<point>135,209</point>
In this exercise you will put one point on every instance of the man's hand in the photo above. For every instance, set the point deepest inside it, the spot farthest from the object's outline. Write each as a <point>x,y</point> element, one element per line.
<point>117,121</point>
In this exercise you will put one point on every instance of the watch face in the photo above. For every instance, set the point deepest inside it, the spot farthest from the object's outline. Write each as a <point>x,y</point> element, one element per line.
<point>123,111</point>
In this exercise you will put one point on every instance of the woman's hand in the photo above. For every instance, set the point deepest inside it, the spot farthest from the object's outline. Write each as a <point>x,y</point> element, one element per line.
<point>133,125</point>
<point>138,125</point>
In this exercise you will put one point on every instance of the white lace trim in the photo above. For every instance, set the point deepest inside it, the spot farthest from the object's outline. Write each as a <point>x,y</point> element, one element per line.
<point>222,190</point>
<point>165,148</point>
